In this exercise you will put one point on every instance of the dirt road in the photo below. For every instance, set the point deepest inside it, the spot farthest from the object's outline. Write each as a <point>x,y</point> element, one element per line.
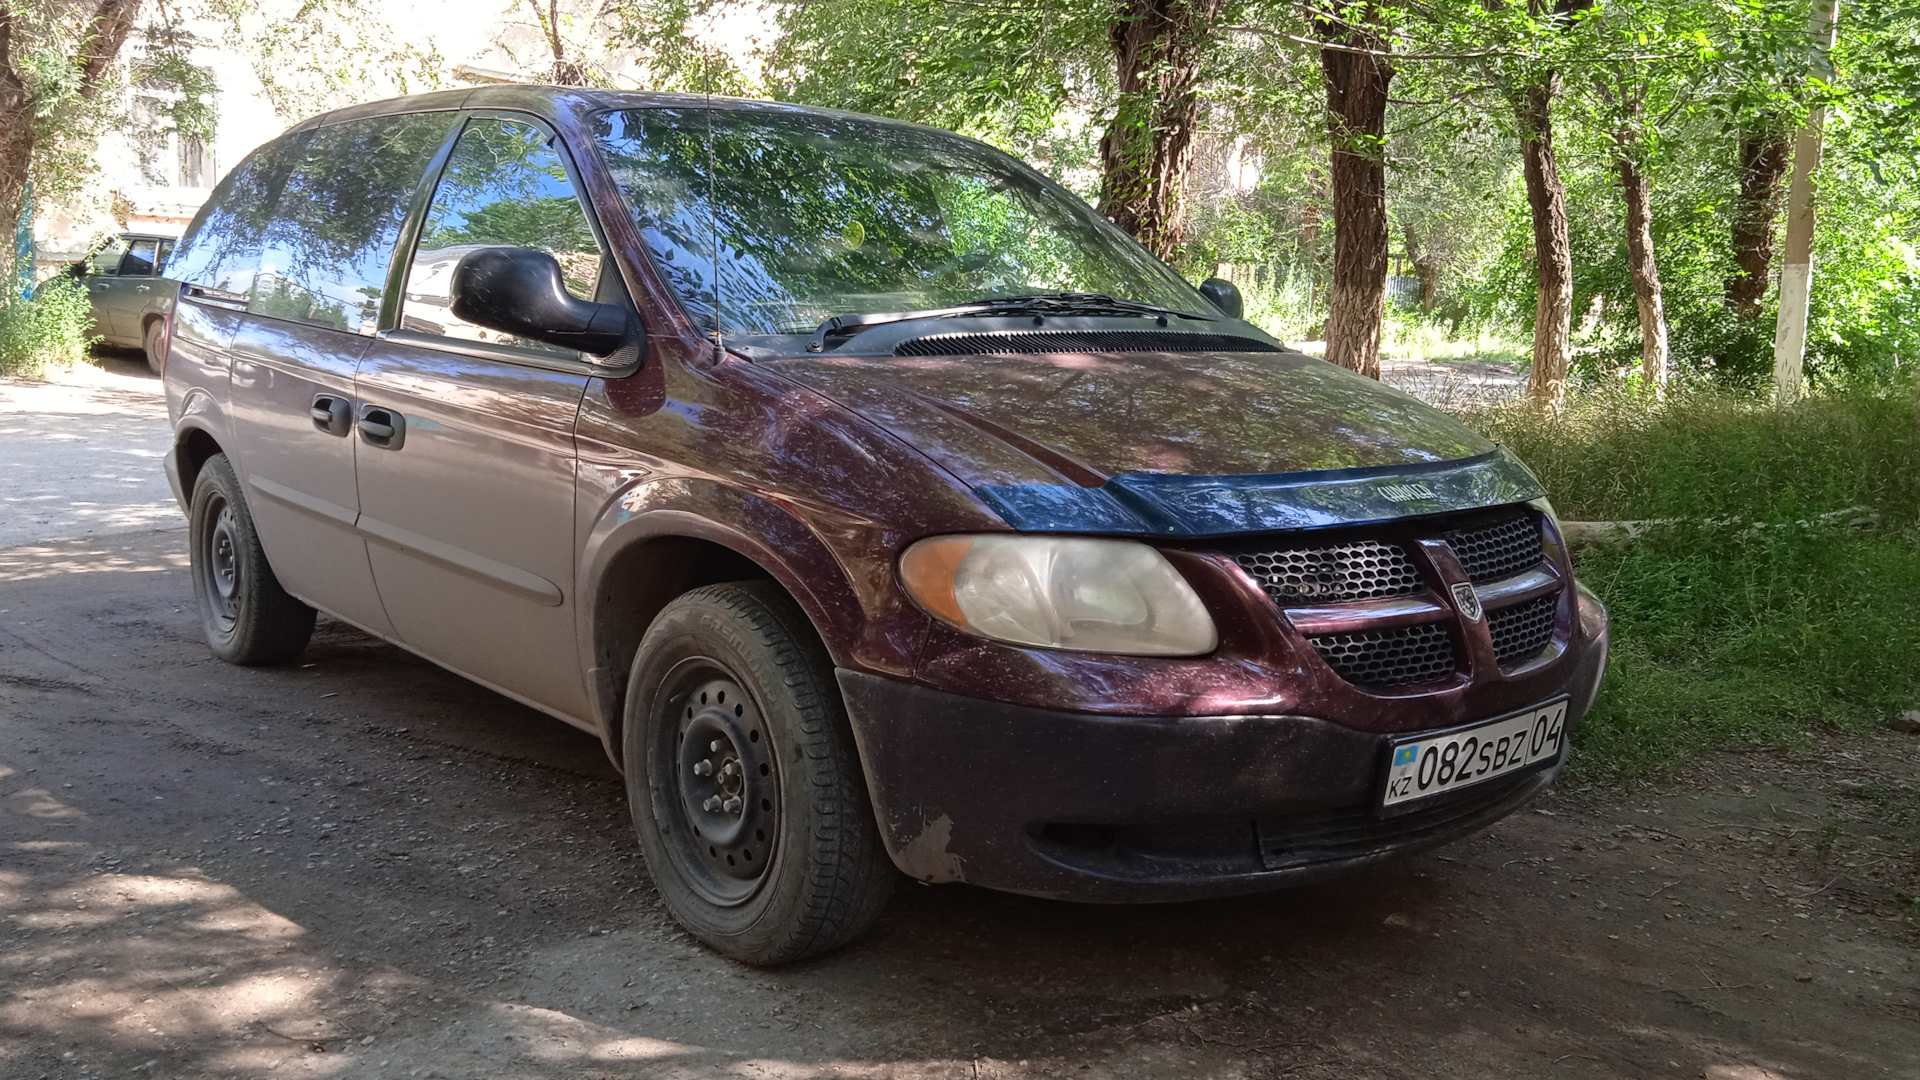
<point>80,453</point>
<point>360,866</point>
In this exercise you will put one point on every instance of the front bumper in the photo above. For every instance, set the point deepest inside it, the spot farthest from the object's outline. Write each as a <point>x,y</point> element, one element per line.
<point>1113,809</point>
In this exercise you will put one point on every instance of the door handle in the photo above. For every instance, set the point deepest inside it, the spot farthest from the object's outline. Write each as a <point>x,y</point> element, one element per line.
<point>382,427</point>
<point>331,414</point>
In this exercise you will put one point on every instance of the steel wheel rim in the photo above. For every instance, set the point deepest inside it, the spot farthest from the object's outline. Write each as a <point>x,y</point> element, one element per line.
<point>220,568</point>
<point>720,801</point>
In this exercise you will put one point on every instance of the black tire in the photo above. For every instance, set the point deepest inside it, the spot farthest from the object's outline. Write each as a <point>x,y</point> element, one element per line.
<point>150,343</point>
<point>782,860</point>
<point>248,617</point>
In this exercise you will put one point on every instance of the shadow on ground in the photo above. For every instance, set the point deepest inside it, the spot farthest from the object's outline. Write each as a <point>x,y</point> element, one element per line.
<point>359,865</point>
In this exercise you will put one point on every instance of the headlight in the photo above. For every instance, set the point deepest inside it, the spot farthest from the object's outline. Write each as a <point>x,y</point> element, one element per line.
<point>1111,596</point>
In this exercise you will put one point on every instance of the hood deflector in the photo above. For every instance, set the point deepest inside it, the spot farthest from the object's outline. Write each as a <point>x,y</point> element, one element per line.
<point>1079,341</point>
<point>1164,504</point>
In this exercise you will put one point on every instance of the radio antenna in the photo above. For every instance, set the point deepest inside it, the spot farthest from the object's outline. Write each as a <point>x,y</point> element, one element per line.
<point>713,221</point>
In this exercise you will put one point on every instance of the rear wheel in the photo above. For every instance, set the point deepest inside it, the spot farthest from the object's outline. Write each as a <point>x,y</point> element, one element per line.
<point>745,787</point>
<point>150,341</point>
<point>247,616</point>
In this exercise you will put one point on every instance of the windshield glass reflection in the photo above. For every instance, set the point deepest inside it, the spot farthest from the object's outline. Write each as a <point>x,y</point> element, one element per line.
<point>828,215</point>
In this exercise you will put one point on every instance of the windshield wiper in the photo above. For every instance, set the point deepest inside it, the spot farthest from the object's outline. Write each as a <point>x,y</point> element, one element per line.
<point>1062,303</point>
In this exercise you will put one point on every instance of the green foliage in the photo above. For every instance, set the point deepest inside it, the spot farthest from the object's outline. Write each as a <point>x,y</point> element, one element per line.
<point>315,55</point>
<point>1743,619</point>
<point>1001,72</point>
<point>49,330</point>
<point>175,95</point>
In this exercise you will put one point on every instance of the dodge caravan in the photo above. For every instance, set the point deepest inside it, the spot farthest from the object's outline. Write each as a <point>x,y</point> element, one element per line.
<point>883,508</point>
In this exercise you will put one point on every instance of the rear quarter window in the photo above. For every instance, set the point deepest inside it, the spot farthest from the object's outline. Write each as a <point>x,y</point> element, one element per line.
<point>324,255</point>
<point>220,252</point>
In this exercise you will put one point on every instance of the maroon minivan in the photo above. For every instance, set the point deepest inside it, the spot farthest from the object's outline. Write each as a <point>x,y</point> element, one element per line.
<point>878,504</point>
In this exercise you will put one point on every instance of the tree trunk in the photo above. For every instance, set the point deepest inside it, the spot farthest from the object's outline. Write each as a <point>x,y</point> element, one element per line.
<point>107,29</point>
<point>1796,261</point>
<point>565,72</point>
<point>1640,263</point>
<point>1426,267</point>
<point>1146,155</point>
<point>16,146</point>
<point>1357,122</point>
<point>1763,164</point>
<point>1553,256</point>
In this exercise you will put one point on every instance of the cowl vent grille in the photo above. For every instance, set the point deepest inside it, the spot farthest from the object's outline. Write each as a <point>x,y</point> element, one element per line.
<point>1069,341</point>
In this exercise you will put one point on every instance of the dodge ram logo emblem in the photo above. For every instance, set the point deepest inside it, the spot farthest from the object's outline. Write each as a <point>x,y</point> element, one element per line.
<point>1468,600</point>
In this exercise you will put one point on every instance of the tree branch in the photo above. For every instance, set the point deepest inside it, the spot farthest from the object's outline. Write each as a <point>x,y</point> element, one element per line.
<point>106,33</point>
<point>1388,54</point>
<point>9,78</point>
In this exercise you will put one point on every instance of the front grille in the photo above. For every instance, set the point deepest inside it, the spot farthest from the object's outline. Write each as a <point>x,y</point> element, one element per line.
<point>1331,836</point>
<point>1501,550</point>
<point>1521,631</point>
<point>1409,654</point>
<point>1069,341</point>
<point>1363,570</point>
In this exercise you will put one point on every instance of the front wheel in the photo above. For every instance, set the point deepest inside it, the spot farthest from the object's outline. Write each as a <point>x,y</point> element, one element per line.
<point>745,787</point>
<point>248,617</point>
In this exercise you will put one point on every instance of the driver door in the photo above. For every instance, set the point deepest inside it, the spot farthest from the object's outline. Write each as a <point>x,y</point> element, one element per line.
<point>467,500</point>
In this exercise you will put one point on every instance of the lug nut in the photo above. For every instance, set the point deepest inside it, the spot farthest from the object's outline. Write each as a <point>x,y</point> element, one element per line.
<point>712,804</point>
<point>715,745</point>
<point>730,769</point>
<point>703,768</point>
<point>731,806</point>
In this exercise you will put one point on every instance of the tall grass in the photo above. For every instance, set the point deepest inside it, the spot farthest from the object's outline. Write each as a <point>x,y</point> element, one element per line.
<point>1728,635</point>
<point>47,331</point>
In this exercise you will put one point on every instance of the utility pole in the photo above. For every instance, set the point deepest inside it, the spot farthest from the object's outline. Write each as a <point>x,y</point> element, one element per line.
<point>1796,269</point>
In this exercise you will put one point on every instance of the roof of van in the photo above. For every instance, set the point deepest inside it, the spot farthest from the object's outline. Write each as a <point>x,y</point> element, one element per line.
<point>561,103</point>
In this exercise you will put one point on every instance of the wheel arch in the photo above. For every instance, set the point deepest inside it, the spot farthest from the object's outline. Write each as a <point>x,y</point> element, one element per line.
<point>687,534</point>
<point>193,444</point>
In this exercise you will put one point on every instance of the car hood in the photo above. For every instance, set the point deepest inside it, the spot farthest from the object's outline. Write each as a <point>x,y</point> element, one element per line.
<point>1177,443</point>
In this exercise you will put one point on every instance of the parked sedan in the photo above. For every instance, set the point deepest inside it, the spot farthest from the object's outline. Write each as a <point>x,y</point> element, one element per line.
<point>130,298</point>
<point>880,506</point>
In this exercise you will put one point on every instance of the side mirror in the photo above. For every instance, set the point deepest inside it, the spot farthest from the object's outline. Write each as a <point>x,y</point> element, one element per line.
<point>1224,295</point>
<point>520,291</point>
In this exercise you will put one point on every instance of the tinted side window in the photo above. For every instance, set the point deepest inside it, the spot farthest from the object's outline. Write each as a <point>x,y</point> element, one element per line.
<point>106,261</point>
<point>221,249</point>
<point>166,254</point>
<point>139,260</point>
<point>504,186</point>
<point>325,254</point>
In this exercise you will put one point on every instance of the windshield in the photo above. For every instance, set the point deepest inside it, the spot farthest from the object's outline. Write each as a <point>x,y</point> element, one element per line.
<point>825,215</point>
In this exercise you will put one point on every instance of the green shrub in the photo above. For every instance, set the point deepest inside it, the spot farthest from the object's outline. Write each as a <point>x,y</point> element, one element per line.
<point>49,330</point>
<point>1734,624</point>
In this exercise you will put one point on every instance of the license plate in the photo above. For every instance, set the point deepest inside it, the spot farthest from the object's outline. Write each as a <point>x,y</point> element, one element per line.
<point>1422,766</point>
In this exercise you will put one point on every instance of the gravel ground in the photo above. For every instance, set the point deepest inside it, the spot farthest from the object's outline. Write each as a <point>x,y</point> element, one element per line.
<point>81,453</point>
<point>361,866</point>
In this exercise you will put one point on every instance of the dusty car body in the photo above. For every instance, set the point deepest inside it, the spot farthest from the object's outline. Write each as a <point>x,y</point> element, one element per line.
<point>1372,575</point>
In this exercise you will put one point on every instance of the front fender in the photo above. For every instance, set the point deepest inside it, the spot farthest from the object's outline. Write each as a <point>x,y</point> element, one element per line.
<point>758,528</point>
<point>861,618</point>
